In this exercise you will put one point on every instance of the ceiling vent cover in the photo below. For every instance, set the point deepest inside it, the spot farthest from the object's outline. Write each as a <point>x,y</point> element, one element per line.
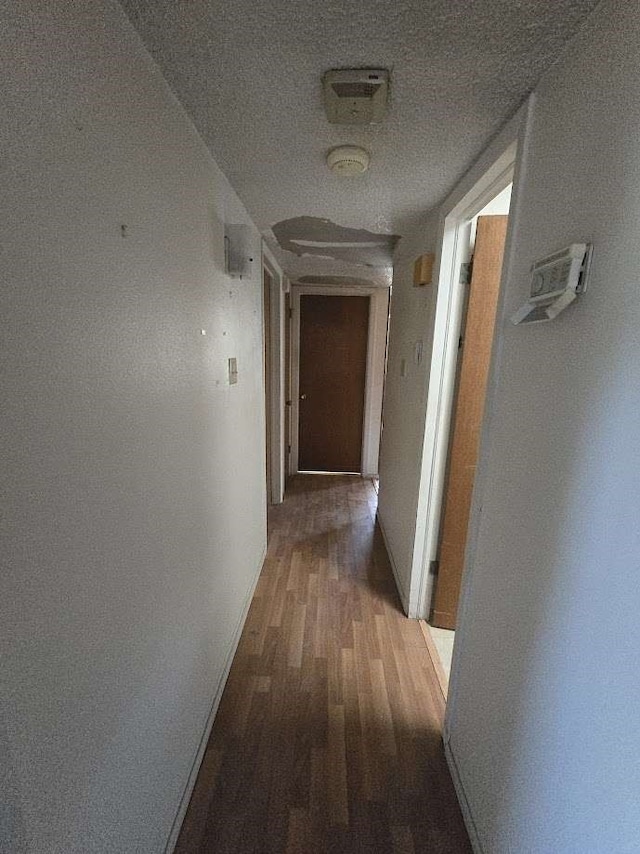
<point>348,160</point>
<point>355,96</point>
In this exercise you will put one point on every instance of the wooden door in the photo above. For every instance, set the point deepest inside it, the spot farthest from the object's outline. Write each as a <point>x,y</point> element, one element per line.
<point>333,365</point>
<point>469,408</point>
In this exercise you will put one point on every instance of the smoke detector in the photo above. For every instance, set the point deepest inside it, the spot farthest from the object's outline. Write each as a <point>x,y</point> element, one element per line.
<point>348,160</point>
<point>355,96</point>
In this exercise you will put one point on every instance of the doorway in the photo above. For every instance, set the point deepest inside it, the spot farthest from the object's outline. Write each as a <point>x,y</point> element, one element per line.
<point>481,261</point>
<point>368,309</point>
<point>333,365</point>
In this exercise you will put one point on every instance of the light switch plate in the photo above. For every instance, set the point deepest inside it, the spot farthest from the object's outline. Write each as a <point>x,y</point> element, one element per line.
<point>233,371</point>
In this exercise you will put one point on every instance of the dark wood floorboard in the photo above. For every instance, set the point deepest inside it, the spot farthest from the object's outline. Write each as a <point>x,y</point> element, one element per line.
<point>328,735</point>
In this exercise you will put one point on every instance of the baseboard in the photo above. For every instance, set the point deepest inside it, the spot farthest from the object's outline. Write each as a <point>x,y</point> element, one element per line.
<point>443,682</point>
<point>202,746</point>
<point>462,799</point>
<point>401,591</point>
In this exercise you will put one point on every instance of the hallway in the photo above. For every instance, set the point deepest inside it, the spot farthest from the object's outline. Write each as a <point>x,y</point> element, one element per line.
<point>328,736</point>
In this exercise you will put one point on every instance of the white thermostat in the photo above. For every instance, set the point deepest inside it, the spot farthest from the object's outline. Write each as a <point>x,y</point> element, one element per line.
<point>555,282</point>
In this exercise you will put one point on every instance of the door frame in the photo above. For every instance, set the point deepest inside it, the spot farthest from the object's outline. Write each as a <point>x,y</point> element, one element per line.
<point>374,381</point>
<point>494,171</point>
<point>467,393</point>
<point>275,406</point>
<point>267,372</point>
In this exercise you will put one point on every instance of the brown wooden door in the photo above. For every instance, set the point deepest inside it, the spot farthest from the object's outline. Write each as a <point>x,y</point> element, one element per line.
<point>333,364</point>
<point>469,409</point>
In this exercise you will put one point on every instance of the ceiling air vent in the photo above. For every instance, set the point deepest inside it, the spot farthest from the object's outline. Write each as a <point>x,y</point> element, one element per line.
<point>355,96</point>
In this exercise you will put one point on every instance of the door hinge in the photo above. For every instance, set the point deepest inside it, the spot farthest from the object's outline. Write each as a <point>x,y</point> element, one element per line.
<point>288,449</point>
<point>290,313</point>
<point>466,272</point>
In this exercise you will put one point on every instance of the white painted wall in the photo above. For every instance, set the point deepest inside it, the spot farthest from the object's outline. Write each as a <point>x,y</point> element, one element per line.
<point>543,718</point>
<point>412,314</point>
<point>132,475</point>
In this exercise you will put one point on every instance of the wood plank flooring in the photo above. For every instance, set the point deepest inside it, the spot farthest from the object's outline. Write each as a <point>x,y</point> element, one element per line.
<point>328,735</point>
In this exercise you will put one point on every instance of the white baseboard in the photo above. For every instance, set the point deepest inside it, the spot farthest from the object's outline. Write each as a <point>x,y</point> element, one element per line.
<point>202,746</point>
<point>403,596</point>
<point>462,799</point>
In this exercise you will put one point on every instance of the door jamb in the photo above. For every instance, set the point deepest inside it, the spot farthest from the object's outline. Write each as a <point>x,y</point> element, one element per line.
<point>374,381</point>
<point>276,405</point>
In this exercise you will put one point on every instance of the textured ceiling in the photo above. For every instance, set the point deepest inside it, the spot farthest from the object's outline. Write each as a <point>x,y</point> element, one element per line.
<point>249,75</point>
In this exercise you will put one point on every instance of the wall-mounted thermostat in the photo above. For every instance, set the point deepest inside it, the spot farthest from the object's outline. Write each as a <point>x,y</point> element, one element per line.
<point>555,282</point>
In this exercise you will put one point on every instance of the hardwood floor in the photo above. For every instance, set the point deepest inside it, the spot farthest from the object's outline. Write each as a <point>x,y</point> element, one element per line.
<point>328,735</point>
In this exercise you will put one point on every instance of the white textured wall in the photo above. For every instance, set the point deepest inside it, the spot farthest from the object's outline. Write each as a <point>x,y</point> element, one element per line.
<point>132,475</point>
<point>412,316</point>
<point>544,720</point>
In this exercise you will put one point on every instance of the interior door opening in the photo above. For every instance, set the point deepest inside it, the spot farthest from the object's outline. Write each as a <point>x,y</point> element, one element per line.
<point>334,332</point>
<point>480,261</point>
<point>348,341</point>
